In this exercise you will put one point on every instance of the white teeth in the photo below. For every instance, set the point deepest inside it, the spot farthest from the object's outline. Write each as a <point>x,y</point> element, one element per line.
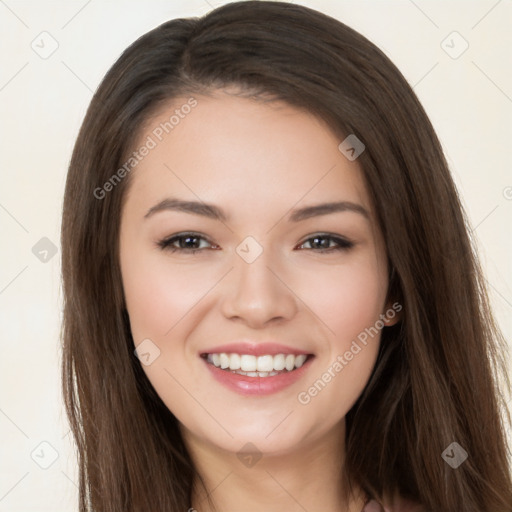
<point>234,362</point>
<point>279,362</point>
<point>224,361</point>
<point>299,360</point>
<point>254,366</point>
<point>265,363</point>
<point>248,363</point>
<point>255,374</point>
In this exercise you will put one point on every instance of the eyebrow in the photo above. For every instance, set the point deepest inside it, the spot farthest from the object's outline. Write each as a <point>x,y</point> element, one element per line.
<point>214,212</point>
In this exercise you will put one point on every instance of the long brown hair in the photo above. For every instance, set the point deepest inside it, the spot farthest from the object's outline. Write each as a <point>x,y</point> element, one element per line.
<point>436,379</point>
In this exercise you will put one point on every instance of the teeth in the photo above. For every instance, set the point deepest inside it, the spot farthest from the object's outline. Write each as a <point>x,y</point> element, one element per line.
<point>279,362</point>
<point>265,363</point>
<point>299,360</point>
<point>224,361</point>
<point>248,363</point>
<point>255,374</point>
<point>234,362</point>
<point>254,366</point>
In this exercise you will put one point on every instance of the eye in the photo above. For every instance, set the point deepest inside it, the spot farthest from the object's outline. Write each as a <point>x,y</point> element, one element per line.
<point>184,242</point>
<point>194,242</point>
<point>322,243</point>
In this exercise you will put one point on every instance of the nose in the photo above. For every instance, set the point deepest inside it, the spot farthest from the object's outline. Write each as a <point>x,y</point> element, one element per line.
<point>257,294</point>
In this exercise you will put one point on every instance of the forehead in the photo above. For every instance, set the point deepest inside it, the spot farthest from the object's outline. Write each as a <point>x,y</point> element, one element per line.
<point>242,153</point>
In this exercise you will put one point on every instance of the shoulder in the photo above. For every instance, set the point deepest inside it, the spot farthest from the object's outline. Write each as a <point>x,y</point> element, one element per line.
<point>399,504</point>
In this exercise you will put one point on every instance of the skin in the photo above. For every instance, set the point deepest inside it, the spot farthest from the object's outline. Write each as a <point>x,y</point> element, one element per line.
<point>258,162</point>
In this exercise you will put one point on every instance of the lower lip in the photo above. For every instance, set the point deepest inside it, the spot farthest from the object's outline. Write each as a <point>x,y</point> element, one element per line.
<point>258,385</point>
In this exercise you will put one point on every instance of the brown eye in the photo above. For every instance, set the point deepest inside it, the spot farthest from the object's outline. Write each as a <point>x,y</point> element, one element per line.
<point>323,243</point>
<point>184,242</point>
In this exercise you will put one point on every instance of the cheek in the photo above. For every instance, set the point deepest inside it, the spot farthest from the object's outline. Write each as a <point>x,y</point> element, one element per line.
<point>159,295</point>
<point>347,299</point>
<point>162,300</point>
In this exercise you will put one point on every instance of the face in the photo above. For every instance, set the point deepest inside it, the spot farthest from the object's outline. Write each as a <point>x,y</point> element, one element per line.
<point>252,305</point>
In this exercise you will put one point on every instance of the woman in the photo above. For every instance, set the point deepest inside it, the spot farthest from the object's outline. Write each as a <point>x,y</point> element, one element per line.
<point>271,298</point>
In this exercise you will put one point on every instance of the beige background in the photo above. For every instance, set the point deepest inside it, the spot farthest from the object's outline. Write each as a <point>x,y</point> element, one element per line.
<point>43,101</point>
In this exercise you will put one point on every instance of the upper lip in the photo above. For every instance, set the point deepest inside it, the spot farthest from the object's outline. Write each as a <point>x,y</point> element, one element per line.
<point>254,348</point>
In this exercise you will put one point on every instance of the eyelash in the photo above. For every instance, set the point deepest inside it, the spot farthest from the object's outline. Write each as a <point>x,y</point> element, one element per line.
<point>165,244</point>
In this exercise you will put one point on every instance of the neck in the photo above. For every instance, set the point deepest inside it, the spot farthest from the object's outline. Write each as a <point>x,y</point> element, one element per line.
<point>310,478</point>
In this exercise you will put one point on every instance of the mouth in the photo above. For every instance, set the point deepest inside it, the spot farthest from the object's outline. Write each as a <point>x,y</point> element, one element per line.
<point>256,375</point>
<point>267,365</point>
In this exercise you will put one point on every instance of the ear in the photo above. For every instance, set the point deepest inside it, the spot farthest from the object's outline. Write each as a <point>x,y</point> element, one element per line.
<point>392,314</point>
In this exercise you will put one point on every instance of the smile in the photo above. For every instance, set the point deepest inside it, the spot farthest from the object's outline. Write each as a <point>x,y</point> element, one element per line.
<point>256,375</point>
<point>257,366</point>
